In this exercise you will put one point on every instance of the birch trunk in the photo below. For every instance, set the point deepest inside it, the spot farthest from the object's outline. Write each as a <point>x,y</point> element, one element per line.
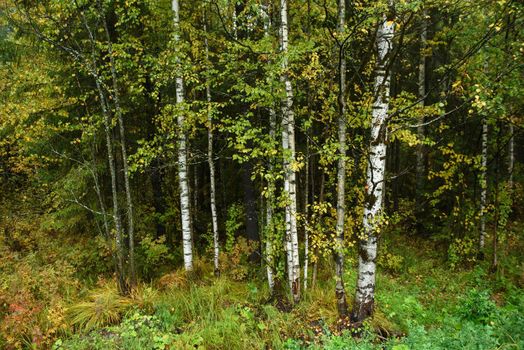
<point>365,293</point>
<point>420,169</point>
<point>270,201</point>
<point>288,145</point>
<point>483,185</point>
<point>214,220</point>
<point>494,261</point>
<point>341,167</point>
<point>182,157</point>
<point>306,212</point>
<point>216,247</point>
<point>307,163</point>
<point>127,186</point>
<point>269,207</point>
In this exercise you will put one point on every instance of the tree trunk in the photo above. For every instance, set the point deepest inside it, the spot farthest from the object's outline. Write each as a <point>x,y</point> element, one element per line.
<point>119,261</point>
<point>511,156</point>
<point>269,208</point>
<point>365,293</point>
<point>483,186</point>
<point>214,220</point>
<point>494,261</point>
<point>182,157</point>
<point>195,193</point>
<point>396,170</point>
<point>420,168</point>
<point>250,206</point>
<point>315,252</point>
<point>270,198</point>
<point>306,212</point>
<point>158,199</point>
<point>288,145</point>
<point>127,186</point>
<point>341,167</point>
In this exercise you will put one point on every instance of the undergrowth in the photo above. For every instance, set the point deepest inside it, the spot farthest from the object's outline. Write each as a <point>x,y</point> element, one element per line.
<point>48,299</point>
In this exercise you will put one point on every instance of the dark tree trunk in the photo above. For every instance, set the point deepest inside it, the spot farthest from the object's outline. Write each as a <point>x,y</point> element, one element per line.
<point>250,206</point>
<point>158,199</point>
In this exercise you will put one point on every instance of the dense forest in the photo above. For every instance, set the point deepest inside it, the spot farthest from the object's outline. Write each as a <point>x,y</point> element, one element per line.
<point>261,174</point>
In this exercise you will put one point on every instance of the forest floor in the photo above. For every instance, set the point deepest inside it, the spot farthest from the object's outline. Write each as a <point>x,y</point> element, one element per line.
<point>56,291</point>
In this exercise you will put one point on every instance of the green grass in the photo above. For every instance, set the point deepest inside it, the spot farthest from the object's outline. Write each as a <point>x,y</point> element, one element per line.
<point>420,304</point>
<point>430,310</point>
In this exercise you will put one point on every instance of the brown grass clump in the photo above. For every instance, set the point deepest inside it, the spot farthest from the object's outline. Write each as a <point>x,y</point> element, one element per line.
<point>103,306</point>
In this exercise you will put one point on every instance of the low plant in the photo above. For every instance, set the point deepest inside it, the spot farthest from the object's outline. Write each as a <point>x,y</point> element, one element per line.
<point>103,306</point>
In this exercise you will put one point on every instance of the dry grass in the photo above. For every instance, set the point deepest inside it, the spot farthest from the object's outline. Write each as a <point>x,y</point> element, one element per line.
<point>103,306</point>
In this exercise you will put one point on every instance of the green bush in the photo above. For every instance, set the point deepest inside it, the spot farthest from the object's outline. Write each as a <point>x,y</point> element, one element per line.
<point>477,307</point>
<point>151,253</point>
<point>136,332</point>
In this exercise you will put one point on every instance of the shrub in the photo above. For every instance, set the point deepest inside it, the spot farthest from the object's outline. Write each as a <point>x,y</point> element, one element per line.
<point>153,252</point>
<point>477,307</point>
<point>462,250</point>
<point>234,222</point>
<point>33,293</point>
<point>136,332</point>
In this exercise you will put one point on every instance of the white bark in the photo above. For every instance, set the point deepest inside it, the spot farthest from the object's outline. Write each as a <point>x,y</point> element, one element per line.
<point>421,95</point>
<point>341,166</point>
<point>306,211</point>
<point>288,145</point>
<point>182,157</point>
<point>365,295</point>
<point>270,202</point>
<point>269,208</point>
<point>214,220</point>
<point>483,184</point>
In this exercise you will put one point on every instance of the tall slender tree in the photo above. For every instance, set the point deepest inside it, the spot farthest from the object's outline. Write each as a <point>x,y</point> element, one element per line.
<point>123,150</point>
<point>270,198</point>
<point>511,154</point>
<point>375,178</point>
<point>94,71</point>
<point>341,164</point>
<point>288,146</point>
<point>183,180</point>
<point>420,168</point>
<point>211,163</point>
<point>483,185</point>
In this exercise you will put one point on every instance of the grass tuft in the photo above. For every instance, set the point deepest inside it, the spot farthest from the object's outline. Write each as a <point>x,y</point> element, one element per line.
<point>103,306</point>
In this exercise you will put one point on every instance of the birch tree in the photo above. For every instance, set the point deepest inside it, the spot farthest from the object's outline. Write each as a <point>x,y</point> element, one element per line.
<point>373,210</point>
<point>270,198</point>
<point>269,207</point>
<point>483,185</point>
<point>341,165</point>
<point>182,153</point>
<point>420,169</point>
<point>289,164</point>
<point>210,162</point>
<point>511,154</point>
